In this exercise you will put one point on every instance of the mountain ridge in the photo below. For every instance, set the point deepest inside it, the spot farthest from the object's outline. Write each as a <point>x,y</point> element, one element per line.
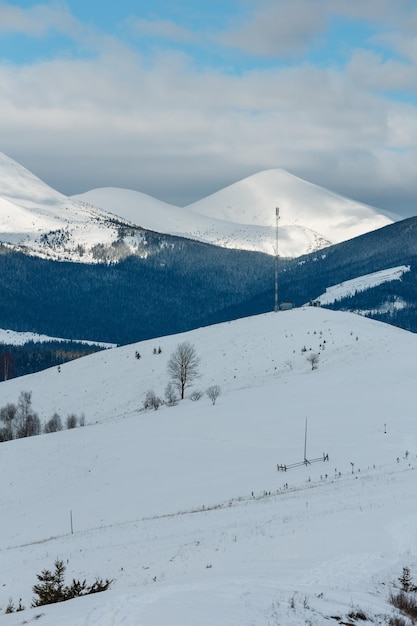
<point>242,215</point>
<point>38,220</point>
<point>181,284</point>
<point>108,224</point>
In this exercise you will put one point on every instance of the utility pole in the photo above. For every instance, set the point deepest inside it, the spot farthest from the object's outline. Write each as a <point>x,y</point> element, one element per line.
<point>276,258</point>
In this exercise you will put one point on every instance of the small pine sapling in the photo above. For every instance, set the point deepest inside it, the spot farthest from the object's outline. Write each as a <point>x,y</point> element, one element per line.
<point>406,581</point>
<point>51,588</point>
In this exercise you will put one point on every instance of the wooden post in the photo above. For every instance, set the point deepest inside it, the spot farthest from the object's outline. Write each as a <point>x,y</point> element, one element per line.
<point>305,444</point>
<point>72,528</point>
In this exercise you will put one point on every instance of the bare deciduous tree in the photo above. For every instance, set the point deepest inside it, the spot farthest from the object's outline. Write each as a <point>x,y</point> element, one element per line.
<point>8,417</point>
<point>313,359</point>
<point>71,421</point>
<point>53,425</point>
<point>213,393</point>
<point>183,367</point>
<point>171,397</point>
<point>28,423</point>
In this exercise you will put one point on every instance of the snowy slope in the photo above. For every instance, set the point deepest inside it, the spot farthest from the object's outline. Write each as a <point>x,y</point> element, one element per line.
<point>39,220</point>
<point>15,338</point>
<point>185,508</point>
<point>361,283</point>
<point>305,209</point>
<point>152,214</point>
<point>242,215</point>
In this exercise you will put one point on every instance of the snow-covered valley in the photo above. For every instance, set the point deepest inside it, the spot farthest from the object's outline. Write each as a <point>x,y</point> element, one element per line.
<point>184,507</point>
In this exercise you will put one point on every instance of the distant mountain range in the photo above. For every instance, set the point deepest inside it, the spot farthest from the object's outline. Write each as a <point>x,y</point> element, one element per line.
<point>183,284</point>
<point>242,215</point>
<point>135,284</point>
<point>110,224</point>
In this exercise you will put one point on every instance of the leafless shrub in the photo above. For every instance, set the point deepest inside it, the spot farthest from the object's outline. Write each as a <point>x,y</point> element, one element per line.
<point>405,603</point>
<point>358,615</point>
<point>152,401</point>
<point>196,395</point>
<point>213,393</point>
<point>171,397</point>
<point>396,620</point>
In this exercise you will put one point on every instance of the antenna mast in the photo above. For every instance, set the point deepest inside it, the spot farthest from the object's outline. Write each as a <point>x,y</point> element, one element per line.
<point>276,259</point>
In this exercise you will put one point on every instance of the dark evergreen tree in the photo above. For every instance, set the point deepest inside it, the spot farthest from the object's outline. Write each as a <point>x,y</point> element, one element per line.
<point>50,588</point>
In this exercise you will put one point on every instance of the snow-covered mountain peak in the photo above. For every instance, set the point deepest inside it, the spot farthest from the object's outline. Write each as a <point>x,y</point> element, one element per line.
<point>242,215</point>
<point>19,185</point>
<point>302,204</point>
<point>36,218</point>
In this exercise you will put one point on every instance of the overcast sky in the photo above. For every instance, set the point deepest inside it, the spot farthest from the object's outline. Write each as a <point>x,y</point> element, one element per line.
<point>179,98</point>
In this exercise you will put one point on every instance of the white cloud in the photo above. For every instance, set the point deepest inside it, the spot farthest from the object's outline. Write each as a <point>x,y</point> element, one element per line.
<point>167,129</point>
<point>277,28</point>
<point>37,20</point>
<point>372,71</point>
<point>163,29</point>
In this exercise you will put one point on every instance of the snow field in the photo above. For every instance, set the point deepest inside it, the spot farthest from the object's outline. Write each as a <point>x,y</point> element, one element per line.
<point>184,507</point>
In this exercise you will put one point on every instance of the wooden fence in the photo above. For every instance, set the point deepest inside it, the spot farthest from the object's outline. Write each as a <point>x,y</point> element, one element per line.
<point>283,468</point>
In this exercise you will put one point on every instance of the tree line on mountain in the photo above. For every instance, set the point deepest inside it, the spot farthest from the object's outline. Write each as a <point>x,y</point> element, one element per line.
<point>393,302</point>
<point>30,357</point>
<point>176,289</point>
<point>183,284</point>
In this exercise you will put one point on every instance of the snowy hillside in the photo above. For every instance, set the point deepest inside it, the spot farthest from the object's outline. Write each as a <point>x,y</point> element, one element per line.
<point>15,338</point>
<point>243,214</point>
<point>184,507</point>
<point>306,210</point>
<point>38,220</point>
<point>361,283</point>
